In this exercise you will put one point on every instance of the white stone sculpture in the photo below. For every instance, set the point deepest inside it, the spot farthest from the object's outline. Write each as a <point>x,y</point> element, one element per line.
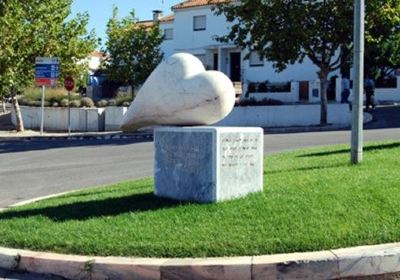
<point>181,92</point>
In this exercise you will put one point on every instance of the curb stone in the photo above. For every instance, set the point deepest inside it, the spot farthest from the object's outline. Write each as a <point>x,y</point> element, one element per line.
<point>79,137</point>
<point>379,262</point>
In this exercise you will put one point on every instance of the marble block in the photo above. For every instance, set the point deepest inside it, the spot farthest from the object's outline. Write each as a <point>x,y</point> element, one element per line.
<point>208,164</point>
<point>181,92</point>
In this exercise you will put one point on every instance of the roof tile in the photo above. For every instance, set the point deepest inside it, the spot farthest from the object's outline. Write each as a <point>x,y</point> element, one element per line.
<point>197,3</point>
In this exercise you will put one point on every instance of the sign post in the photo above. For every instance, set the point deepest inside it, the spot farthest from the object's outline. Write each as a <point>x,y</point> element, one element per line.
<point>357,122</point>
<point>46,74</point>
<point>69,85</point>
<point>42,109</point>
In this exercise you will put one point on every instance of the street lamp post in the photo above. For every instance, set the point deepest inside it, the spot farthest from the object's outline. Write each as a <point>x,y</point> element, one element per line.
<point>358,85</point>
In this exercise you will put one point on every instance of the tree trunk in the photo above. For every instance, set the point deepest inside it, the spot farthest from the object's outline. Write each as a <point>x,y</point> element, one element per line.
<point>20,123</point>
<point>3,104</point>
<point>323,78</point>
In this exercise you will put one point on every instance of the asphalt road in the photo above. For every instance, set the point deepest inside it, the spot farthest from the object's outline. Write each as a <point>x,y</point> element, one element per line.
<point>30,169</point>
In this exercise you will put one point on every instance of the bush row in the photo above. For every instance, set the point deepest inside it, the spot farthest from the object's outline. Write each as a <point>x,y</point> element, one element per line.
<point>264,102</point>
<point>74,102</point>
<point>268,87</point>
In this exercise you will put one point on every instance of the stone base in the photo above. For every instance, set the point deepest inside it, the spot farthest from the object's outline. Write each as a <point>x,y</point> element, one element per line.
<point>208,164</point>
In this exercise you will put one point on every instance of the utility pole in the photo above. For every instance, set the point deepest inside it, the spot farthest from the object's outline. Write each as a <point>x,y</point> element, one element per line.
<point>358,83</point>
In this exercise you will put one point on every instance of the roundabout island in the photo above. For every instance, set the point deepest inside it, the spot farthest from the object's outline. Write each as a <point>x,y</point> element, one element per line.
<point>314,203</point>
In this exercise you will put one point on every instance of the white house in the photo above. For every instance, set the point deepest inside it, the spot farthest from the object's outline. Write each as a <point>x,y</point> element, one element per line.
<point>94,60</point>
<point>193,28</point>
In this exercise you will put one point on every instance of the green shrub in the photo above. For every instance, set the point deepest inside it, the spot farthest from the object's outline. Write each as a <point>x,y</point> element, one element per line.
<point>37,103</point>
<point>252,87</point>
<point>102,103</point>
<point>265,102</point>
<point>126,104</point>
<point>55,99</point>
<point>112,102</point>
<point>262,87</point>
<point>64,102</point>
<point>22,100</point>
<point>75,103</point>
<point>52,94</point>
<point>271,102</point>
<point>87,102</point>
<point>123,97</point>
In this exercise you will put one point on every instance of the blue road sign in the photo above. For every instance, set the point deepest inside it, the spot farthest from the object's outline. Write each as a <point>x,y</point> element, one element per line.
<point>47,70</point>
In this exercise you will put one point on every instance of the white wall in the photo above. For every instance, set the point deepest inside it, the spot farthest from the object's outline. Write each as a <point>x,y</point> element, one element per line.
<point>186,39</point>
<point>168,46</point>
<point>388,94</point>
<point>94,62</point>
<point>286,115</point>
<point>113,117</point>
<point>314,91</point>
<point>56,119</point>
<point>298,72</point>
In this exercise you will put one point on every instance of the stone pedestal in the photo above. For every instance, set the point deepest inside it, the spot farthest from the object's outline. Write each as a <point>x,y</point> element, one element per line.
<point>208,164</point>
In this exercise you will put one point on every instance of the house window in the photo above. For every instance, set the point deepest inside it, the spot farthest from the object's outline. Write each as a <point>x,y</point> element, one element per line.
<point>255,59</point>
<point>168,34</point>
<point>199,23</point>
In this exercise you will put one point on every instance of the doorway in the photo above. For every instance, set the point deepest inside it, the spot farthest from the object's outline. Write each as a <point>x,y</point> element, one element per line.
<point>303,90</point>
<point>235,67</point>
<point>215,61</point>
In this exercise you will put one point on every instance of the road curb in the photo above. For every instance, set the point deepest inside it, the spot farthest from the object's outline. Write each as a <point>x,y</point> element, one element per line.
<point>379,261</point>
<point>78,137</point>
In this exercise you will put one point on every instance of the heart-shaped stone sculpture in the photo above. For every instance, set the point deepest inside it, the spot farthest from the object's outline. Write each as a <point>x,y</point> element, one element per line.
<point>181,92</point>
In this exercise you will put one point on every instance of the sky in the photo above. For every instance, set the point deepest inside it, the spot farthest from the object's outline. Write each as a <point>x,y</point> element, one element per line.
<point>101,11</point>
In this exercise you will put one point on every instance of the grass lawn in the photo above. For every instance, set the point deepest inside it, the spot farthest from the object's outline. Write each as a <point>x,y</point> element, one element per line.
<point>313,200</point>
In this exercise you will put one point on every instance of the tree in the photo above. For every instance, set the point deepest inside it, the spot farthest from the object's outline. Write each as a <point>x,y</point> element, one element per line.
<point>286,32</point>
<point>133,49</point>
<point>39,28</point>
<point>382,52</point>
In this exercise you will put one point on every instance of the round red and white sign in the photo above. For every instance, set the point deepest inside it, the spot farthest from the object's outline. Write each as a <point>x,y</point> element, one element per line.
<point>69,83</point>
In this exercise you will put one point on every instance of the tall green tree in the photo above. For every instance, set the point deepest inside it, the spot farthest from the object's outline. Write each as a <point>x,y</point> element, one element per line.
<point>286,32</point>
<point>133,49</point>
<point>382,55</point>
<point>30,29</point>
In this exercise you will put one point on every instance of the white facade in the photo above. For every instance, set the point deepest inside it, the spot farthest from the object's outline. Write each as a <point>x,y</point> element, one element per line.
<point>167,46</point>
<point>289,115</point>
<point>223,57</point>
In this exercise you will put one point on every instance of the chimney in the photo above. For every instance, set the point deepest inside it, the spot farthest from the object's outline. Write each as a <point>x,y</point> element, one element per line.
<point>157,14</point>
